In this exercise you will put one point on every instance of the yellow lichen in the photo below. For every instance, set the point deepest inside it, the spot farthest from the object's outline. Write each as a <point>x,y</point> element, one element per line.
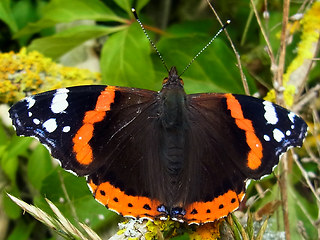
<point>310,36</point>
<point>310,26</point>
<point>271,96</point>
<point>158,227</point>
<point>26,73</point>
<point>209,231</point>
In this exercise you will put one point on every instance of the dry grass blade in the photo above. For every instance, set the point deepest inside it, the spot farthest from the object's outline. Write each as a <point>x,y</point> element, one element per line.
<point>240,227</point>
<point>262,230</point>
<point>58,223</point>
<point>90,232</point>
<point>66,224</point>
<point>36,213</point>
<point>243,77</point>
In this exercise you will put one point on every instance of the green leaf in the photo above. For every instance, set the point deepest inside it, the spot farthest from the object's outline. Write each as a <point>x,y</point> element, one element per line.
<point>21,231</point>
<point>7,16</point>
<point>58,44</point>
<point>126,5</point>
<point>140,4</point>
<point>126,61</point>
<point>81,199</point>
<point>301,213</point>
<point>9,156</point>
<point>3,135</point>
<point>39,166</point>
<point>184,236</point>
<point>60,11</point>
<point>214,71</point>
<point>10,167</point>
<point>25,11</point>
<point>12,210</point>
<point>17,146</point>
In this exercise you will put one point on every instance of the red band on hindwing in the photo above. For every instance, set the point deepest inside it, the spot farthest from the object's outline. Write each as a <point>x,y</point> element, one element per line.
<point>255,154</point>
<point>201,212</point>
<point>115,199</point>
<point>81,146</point>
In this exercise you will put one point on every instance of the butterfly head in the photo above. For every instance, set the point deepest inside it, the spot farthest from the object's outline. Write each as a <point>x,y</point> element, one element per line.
<point>173,80</point>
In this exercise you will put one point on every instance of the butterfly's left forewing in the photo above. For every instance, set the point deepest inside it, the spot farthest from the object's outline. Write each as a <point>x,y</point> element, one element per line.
<point>64,120</point>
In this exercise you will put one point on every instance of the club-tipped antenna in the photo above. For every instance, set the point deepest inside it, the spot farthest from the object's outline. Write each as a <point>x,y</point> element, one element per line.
<point>208,44</point>
<point>152,43</point>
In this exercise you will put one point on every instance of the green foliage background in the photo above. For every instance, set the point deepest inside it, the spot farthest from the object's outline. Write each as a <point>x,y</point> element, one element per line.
<point>180,30</point>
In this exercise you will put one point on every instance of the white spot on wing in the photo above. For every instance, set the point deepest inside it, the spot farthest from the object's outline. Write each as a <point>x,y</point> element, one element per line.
<point>266,137</point>
<point>270,113</point>
<point>59,102</point>
<point>29,114</point>
<point>36,121</point>
<point>278,135</point>
<point>30,101</point>
<point>288,133</point>
<point>50,125</point>
<point>291,116</point>
<point>66,129</point>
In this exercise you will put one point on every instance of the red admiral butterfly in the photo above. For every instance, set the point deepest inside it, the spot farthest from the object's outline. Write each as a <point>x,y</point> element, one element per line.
<point>156,154</point>
<point>153,154</point>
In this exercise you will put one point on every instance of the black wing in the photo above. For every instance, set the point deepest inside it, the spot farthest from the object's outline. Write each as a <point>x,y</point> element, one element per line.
<point>233,138</point>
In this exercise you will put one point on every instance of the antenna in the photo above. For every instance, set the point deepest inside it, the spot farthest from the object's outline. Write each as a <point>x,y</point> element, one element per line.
<point>152,43</point>
<point>208,44</point>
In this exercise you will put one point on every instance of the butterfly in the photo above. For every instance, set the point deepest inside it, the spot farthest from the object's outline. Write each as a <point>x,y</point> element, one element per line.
<point>153,155</point>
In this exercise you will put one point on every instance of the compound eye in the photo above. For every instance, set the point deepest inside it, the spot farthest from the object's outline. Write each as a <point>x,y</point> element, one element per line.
<point>181,81</point>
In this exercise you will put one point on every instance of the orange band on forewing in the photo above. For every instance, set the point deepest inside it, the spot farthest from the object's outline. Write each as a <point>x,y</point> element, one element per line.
<point>201,212</point>
<point>126,205</point>
<point>255,154</point>
<point>81,146</point>
<point>93,116</point>
<point>105,99</point>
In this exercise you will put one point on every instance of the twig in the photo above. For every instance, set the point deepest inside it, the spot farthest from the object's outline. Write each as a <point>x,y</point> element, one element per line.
<point>269,48</point>
<point>72,208</point>
<point>307,98</point>
<point>285,19</point>
<point>306,177</point>
<point>316,122</point>
<point>243,77</point>
<point>284,194</point>
<point>278,80</point>
<point>246,28</point>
